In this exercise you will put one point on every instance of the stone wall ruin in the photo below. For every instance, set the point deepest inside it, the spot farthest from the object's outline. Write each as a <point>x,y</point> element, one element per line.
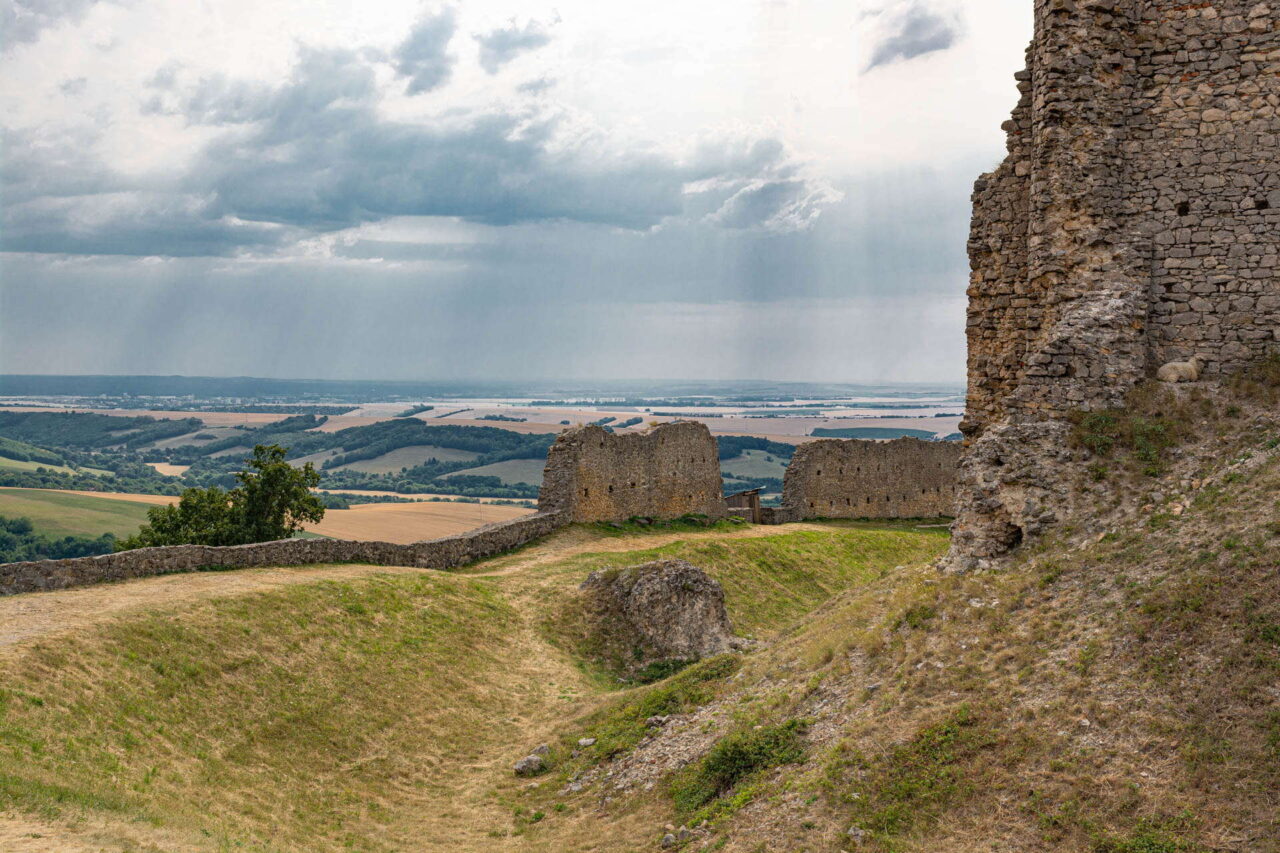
<point>906,478</point>
<point>447,553</point>
<point>667,472</point>
<point>1135,221</point>
<point>592,475</point>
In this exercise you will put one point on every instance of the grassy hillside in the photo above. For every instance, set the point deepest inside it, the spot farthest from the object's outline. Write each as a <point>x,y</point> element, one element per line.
<point>58,514</point>
<point>510,472</point>
<point>374,714</point>
<point>1110,690</point>
<point>408,457</point>
<point>755,463</point>
<point>27,465</point>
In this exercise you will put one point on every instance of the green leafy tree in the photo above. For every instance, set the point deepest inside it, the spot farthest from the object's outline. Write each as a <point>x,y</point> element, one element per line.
<point>274,498</point>
<point>200,517</point>
<point>272,502</point>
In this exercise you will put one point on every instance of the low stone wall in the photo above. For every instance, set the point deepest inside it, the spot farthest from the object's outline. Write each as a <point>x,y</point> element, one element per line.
<point>906,478</point>
<point>446,553</point>
<point>664,473</point>
<point>779,514</point>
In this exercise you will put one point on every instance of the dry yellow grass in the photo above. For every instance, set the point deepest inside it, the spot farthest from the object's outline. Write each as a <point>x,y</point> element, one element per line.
<point>416,496</point>
<point>404,523</point>
<point>169,469</point>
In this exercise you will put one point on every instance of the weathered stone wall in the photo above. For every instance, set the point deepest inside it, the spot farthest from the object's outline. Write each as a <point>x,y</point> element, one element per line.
<point>667,472</point>
<point>906,478</point>
<point>446,553</point>
<point>1136,220</point>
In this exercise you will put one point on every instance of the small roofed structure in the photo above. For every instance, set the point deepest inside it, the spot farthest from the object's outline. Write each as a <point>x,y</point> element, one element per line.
<point>745,505</point>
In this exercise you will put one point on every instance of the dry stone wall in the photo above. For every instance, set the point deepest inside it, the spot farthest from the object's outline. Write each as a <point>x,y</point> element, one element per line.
<point>667,472</point>
<point>450,552</point>
<point>906,478</point>
<point>1135,221</point>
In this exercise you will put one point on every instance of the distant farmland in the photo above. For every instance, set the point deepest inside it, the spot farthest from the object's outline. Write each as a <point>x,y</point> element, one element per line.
<point>510,472</point>
<point>76,514</point>
<point>411,522</point>
<point>753,464</point>
<point>407,457</point>
<point>22,465</point>
<point>59,513</point>
<point>874,433</point>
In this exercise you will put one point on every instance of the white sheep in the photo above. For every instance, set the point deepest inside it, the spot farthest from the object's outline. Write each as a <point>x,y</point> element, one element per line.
<point>1181,371</point>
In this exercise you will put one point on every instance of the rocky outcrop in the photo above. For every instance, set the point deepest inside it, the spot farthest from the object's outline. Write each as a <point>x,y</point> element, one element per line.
<point>1134,222</point>
<point>668,610</point>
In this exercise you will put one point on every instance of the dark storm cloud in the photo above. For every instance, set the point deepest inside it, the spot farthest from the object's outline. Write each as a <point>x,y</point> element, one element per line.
<point>423,57</point>
<point>914,31</point>
<point>314,154</point>
<point>22,21</point>
<point>131,223</point>
<point>500,46</point>
<point>50,166</point>
<point>523,301</point>
<point>318,155</point>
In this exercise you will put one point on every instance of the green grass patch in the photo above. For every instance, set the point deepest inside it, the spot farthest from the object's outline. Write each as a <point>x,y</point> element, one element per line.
<point>269,721</point>
<point>770,581</point>
<point>735,758</point>
<point>754,464</point>
<point>510,472</point>
<point>912,784</point>
<point>58,514</point>
<point>1151,836</point>
<point>619,726</point>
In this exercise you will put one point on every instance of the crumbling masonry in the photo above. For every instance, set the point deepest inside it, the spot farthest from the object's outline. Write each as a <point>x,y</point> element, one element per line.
<point>1136,220</point>
<point>667,472</point>
<point>906,478</point>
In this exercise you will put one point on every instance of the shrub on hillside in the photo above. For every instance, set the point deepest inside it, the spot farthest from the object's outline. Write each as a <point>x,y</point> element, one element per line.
<point>734,758</point>
<point>1153,422</point>
<point>1259,382</point>
<point>272,501</point>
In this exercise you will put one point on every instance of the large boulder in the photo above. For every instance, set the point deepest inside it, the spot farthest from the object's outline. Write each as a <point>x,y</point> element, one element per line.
<point>665,611</point>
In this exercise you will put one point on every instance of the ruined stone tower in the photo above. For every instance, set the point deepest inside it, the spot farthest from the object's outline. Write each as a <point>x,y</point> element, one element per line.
<point>1136,220</point>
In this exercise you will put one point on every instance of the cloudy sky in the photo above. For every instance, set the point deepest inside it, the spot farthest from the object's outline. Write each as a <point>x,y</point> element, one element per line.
<point>584,189</point>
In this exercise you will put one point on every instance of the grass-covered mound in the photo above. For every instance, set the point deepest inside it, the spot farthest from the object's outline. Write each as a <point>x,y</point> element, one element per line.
<point>1113,690</point>
<point>283,720</point>
<point>381,713</point>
